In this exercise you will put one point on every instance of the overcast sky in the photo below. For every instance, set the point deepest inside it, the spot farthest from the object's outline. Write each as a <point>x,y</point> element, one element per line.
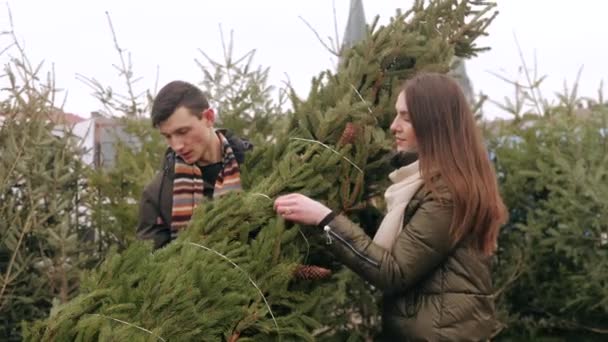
<point>75,37</point>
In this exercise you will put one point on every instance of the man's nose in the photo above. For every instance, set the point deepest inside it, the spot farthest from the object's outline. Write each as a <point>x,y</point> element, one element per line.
<point>176,144</point>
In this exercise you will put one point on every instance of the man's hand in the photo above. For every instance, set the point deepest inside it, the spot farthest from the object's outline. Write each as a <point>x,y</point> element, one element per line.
<point>300,209</point>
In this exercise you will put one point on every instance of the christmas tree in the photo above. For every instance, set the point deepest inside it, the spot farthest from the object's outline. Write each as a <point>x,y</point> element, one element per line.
<point>551,163</point>
<point>239,90</point>
<point>239,272</point>
<point>43,241</point>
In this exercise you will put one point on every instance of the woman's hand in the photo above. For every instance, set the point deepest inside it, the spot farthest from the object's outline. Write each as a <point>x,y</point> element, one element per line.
<point>300,209</point>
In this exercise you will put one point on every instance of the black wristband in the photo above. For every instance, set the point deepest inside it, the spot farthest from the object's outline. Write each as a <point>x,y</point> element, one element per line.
<point>326,219</point>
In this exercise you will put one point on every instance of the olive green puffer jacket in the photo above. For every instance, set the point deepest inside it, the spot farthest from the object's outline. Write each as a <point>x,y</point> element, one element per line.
<point>433,289</point>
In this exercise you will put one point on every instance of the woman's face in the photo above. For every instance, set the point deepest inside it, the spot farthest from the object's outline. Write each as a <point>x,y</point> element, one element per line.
<point>401,128</point>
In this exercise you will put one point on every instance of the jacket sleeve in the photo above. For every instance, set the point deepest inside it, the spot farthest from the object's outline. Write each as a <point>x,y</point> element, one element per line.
<point>150,225</point>
<point>422,245</point>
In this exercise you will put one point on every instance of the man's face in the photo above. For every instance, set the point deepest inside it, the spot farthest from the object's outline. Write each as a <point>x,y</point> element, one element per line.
<point>188,135</point>
<point>401,128</point>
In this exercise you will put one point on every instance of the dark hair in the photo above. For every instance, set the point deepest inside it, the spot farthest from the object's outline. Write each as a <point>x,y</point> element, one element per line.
<point>450,147</point>
<point>174,95</point>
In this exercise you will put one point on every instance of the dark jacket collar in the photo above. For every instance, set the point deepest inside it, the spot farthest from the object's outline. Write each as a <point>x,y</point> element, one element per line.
<point>401,159</point>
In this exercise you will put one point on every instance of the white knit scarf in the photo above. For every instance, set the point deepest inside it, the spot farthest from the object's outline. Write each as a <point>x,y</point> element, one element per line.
<point>406,182</point>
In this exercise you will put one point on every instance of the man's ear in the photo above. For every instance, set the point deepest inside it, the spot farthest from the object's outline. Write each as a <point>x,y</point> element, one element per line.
<point>209,115</point>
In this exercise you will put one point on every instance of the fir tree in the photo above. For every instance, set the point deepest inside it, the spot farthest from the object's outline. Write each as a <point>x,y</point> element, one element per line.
<point>552,167</point>
<point>247,105</point>
<point>113,192</point>
<point>43,243</point>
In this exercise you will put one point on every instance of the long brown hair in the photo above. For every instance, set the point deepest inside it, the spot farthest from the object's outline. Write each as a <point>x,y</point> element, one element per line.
<point>450,147</point>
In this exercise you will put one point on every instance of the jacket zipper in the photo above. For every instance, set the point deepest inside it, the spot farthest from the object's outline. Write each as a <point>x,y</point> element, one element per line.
<point>329,233</point>
<point>168,160</point>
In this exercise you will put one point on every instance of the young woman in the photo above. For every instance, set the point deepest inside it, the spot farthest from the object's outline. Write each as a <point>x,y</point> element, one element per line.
<point>431,253</point>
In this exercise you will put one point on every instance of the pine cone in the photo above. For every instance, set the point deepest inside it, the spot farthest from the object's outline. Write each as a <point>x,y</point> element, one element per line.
<point>311,272</point>
<point>348,135</point>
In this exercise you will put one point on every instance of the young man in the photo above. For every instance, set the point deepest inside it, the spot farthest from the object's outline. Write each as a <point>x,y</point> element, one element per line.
<point>201,162</point>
